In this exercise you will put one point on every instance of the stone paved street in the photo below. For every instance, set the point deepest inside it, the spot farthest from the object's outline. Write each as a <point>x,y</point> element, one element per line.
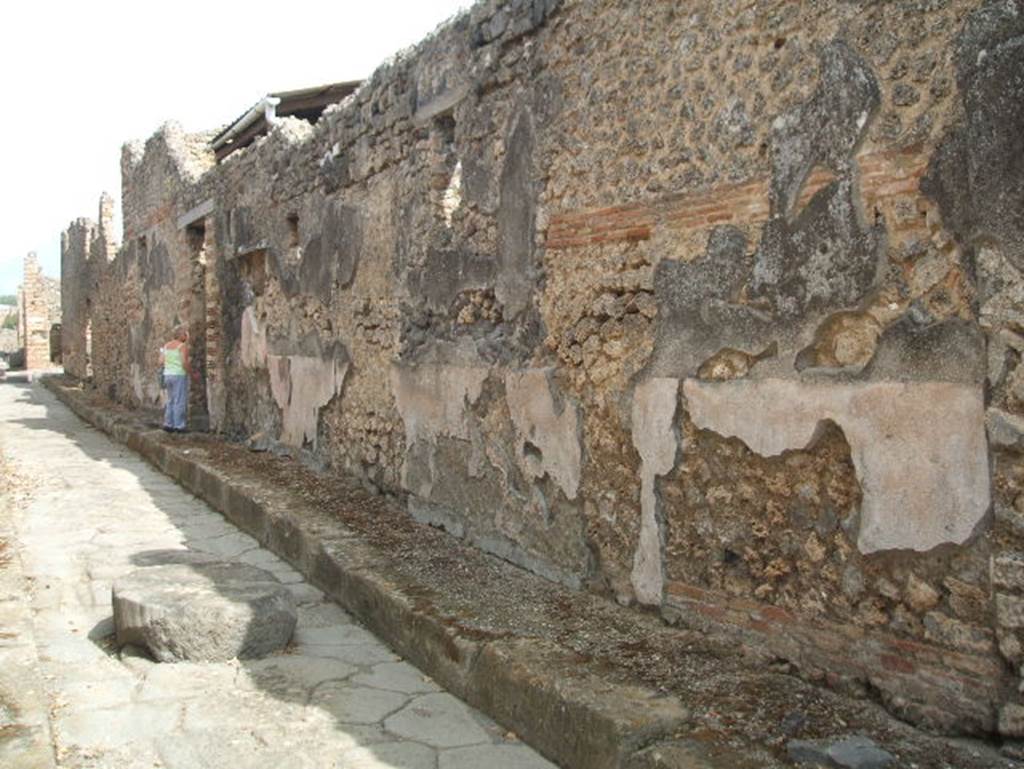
<point>82,511</point>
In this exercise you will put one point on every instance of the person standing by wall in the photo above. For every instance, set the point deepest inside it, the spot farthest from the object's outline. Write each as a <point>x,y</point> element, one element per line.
<point>176,372</point>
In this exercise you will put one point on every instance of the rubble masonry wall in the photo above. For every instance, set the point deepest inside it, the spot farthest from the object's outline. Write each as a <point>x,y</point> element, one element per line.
<point>711,307</point>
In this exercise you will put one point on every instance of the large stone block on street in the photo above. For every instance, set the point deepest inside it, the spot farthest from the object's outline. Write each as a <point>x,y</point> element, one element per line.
<point>204,612</point>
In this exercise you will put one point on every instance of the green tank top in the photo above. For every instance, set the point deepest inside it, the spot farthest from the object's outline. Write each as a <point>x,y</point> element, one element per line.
<point>173,365</point>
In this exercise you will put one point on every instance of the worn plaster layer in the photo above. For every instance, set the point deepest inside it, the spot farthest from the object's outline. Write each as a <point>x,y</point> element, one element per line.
<point>654,437</point>
<point>302,386</point>
<point>253,340</point>
<point>433,399</point>
<point>919,448</point>
<point>547,432</point>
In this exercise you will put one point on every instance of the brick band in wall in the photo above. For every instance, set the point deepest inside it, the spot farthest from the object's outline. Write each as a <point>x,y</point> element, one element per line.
<point>882,176</point>
<point>899,670</point>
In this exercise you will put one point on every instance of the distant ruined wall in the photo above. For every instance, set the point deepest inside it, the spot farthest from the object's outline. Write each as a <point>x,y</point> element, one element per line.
<point>86,250</point>
<point>74,283</point>
<point>716,310</point>
<point>39,305</point>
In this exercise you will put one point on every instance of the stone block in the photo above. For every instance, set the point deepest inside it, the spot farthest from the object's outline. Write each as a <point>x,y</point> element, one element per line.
<point>945,630</point>
<point>1011,720</point>
<point>1004,429</point>
<point>1008,571</point>
<point>1009,610</point>
<point>548,693</point>
<point>203,612</point>
<point>848,753</point>
<point>690,754</point>
<point>919,595</point>
<point>968,602</point>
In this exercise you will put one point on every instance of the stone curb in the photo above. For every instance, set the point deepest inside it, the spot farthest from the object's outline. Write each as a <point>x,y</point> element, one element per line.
<point>556,702</point>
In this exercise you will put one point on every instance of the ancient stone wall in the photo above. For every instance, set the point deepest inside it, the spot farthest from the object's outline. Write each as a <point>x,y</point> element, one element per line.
<point>9,334</point>
<point>9,341</point>
<point>713,309</point>
<point>74,277</point>
<point>86,249</point>
<point>39,307</point>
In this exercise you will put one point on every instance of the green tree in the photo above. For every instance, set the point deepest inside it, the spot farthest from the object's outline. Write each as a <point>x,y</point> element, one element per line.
<point>10,321</point>
<point>8,299</point>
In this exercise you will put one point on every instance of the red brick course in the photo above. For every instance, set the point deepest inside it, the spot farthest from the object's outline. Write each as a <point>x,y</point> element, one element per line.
<point>883,176</point>
<point>954,686</point>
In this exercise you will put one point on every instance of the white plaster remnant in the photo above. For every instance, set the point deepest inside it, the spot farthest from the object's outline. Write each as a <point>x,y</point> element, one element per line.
<point>452,198</point>
<point>254,340</point>
<point>302,386</point>
<point>432,400</point>
<point>550,428</point>
<point>919,448</point>
<point>136,374</point>
<point>145,391</point>
<point>654,436</point>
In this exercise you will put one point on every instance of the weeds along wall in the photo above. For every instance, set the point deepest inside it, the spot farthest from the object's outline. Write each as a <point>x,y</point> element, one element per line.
<point>711,307</point>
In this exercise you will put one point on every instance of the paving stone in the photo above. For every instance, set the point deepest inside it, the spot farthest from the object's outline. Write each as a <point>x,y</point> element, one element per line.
<point>351,704</point>
<point>228,546</point>
<point>71,650</point>
<point>169,556</point>
<point>100,692</point>
<point>203,612</point>
<point>359,655</point>
<point>492,757</point>
<point>274,716</point>
<point>320,616</point>
<point>345,634</point>
<point>397,677</point>
<point>105,727</point>
<point>185,679</point>
<point>238,751</point>
<point>206,528</point>
<point>261,557</point>
<point>439,720</point>
<point>132,540</point>
<point>390,755</point>
<point>288,675</point>
<point>305,593</point>
<point>26,747</point>
<point>287,575</point>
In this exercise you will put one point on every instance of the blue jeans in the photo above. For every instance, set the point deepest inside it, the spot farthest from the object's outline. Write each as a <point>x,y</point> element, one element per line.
<point>177,401</point>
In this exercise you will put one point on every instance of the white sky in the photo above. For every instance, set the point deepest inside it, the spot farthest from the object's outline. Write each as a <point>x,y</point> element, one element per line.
<point>78,79</point>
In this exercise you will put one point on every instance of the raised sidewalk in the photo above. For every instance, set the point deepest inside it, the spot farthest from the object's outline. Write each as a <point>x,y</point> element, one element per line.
<point>577,677</point>
<point>562,704</point>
